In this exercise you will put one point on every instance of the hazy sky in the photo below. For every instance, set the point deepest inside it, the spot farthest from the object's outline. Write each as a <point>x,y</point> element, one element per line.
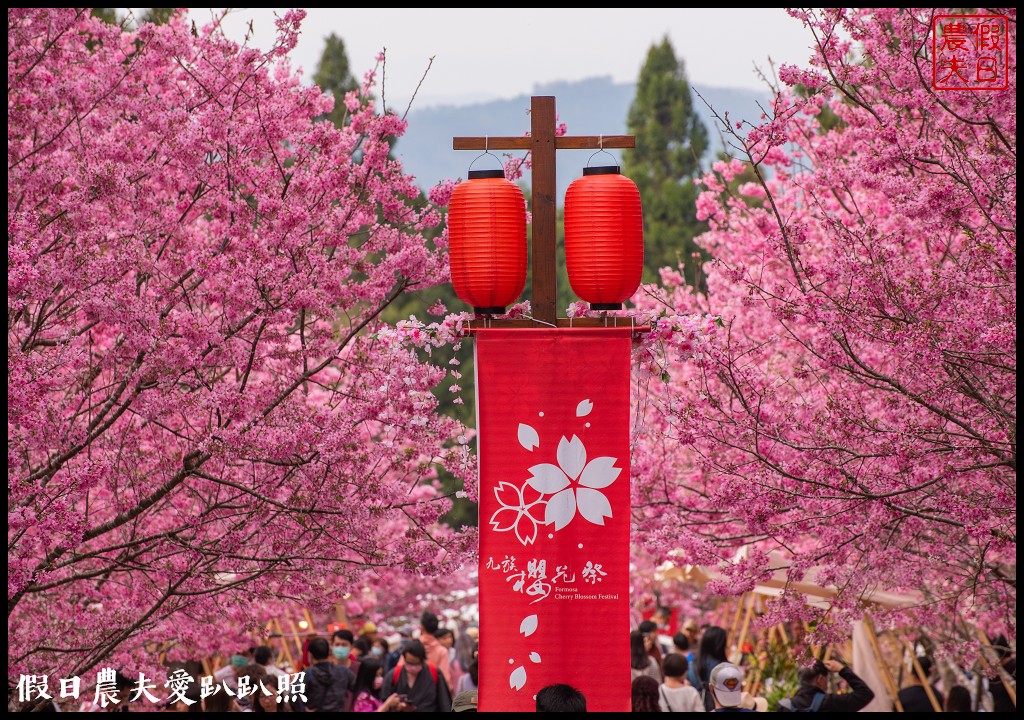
<point>485,54</point>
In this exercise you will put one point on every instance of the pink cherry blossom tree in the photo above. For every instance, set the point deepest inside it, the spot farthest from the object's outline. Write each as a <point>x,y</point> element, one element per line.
<point>854,422</point>
<point>202,419</point>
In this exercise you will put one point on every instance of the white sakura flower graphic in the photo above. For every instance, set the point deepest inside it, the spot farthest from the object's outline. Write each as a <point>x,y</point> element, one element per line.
<point>575,484</point>
<point>516,512</point>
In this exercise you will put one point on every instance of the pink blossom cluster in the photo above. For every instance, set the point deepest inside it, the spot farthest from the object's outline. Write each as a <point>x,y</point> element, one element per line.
<point>202,418</point>
<point>852,424</point>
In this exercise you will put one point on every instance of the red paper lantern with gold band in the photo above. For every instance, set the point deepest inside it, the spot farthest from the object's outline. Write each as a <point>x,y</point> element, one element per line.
<point>604,237</point>
<point>487,241</point>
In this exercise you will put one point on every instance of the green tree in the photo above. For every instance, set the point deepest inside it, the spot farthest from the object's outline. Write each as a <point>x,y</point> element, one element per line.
<point>157,16</point>
<point>670,142</point>
<point>108,15</point>
<point>334,76</point>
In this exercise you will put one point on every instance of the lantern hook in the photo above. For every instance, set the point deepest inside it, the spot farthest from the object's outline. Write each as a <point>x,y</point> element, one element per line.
<point>487,151</point>
<point>600,145</point>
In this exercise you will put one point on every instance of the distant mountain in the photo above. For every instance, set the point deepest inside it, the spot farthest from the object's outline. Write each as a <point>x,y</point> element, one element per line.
<point>596,106</point>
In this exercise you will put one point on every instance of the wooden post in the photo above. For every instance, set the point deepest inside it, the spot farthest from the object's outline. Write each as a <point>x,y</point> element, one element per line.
<point>284,644</point>
<point>298,637</point>
<point>781,629</point>
<point>542,133</point>
<point>890,684</point>
<point>743,629</point>
<point>753,683</point>
<point>979,692</point>
<point>542,145</point>
<point>734,625</point>
<point>815,649</point>
<point>1008,682</point>
<point>919,671</point>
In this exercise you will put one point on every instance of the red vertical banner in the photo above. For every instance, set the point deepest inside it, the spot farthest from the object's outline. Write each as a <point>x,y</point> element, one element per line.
<point>553,431</point>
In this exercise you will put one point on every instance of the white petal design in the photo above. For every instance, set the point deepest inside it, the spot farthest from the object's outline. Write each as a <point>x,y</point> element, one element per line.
<point>561,509</point>
<point>600,472</point>
<point>504,519</point>
<point>528,626</point>
<point>526,529</point>
<point>508,495</point>
<point>528,437</point>
<point>547,478</point>
<point>535,657</point>
<point>572,456</point>
<point>584,408</point>
<point>518,678</point>
<point>594,506</point>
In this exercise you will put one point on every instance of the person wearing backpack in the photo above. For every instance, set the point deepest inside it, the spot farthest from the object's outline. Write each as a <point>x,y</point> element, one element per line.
<point>813,695</point>
<point>418,683</point>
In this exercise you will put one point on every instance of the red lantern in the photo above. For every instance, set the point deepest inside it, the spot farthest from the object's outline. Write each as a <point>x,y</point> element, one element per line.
<point>487,241</point>
<point>604,237</point>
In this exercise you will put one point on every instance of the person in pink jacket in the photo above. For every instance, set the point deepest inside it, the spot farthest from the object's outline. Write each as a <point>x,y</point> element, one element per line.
<point>436,652</point>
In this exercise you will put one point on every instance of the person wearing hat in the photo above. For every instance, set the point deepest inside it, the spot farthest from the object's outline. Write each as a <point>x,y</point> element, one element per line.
<point>465,701</point>
<point>369,631</point>
<point>726,688</point>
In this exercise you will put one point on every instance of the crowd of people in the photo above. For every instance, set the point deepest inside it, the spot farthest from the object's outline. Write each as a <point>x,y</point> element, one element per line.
<point>416,670</point>
<point>692,672</point>
<point>431,669</point>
